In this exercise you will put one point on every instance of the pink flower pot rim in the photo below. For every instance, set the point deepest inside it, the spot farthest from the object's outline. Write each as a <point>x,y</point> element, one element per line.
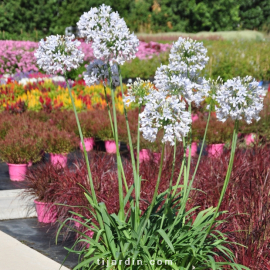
<point>216,144</point>
<point>18,165</point>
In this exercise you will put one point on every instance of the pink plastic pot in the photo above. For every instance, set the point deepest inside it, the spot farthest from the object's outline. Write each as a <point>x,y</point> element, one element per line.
<point>249,138</point>
<point>193,149</point>
<point>89,144</point>
<point>17,172</point>
<point>194,117</point>
<point>144,155</point>
<point>59,159</point>
<point>46,212</point>
<point>110,147</point>
<point>215,150</point>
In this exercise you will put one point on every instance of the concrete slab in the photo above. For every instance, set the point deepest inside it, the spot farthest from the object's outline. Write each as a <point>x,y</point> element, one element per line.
<point>40,237</point>
<point>13,206</point>
<point>15,255</point>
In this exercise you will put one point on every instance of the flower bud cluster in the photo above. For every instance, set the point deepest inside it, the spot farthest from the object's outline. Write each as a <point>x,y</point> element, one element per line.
<point>98,71</point>
<point>58,54</point>
<point>112,40</point>
<point>137,92</point>
<point>240,99</point>
<point>167,113</point>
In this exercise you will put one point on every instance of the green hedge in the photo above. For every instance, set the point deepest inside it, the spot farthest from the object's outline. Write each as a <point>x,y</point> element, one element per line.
<point>34,19</point>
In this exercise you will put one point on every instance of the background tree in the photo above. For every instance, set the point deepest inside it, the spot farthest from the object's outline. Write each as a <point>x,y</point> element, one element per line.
<point>34,19</point>
<point>69,12</point>
<point>21,17</point>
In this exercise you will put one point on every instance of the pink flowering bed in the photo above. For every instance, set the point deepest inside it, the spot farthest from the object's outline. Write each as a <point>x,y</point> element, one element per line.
<point>147,50</point>
<point>18,56</point>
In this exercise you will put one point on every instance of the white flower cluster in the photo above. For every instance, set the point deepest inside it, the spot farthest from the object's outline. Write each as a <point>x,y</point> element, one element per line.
<point>137,92</point>
<point>163,112</point>
<point>188,57</point>
<point>98,71</point>
<point>240,99</point>
<point>182,75</point>
<point>112,41</point>
<point>59,54</point>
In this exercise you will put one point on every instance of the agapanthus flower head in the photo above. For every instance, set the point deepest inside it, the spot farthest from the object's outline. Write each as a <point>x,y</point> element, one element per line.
<point>240,98</point>
<point>182,76</point>
<point>111,39</point>
<point>188,57</point>
<point>98,71</point>
<point>58,54</point>
<point>167,113</point>
<point>137,92</point>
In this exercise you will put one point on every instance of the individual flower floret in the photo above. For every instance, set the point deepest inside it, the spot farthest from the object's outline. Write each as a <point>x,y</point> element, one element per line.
<point>98,71</point>
<point>111,40</point>
<point>167,113</point>
<point>182,75</point>
<point>137,92</point>
<point>58,54</point>
<point>240,98</point>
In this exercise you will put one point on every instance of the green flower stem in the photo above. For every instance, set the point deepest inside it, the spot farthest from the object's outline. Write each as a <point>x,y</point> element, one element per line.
<point>90,179</point>
<point>149,211</point>
<point>128,129</point>
<point>228,175</point>
<point>138,141</point>
<point>199,158</point>
<point>185,166</point>
<point>136,176</point>
<point>108,109</point>
<point>169,197</point>
<point>179,178</point>
<point>229,171</point>
<point>170,186</point>
<point>123,175</point>
<point>119,161</point>
<point>112,127</point>
<point>138,180</point>
<point>82,141</point>
<point>189,143</point>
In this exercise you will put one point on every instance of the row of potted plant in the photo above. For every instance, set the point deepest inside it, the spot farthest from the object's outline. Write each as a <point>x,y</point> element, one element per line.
<point>24,138</point>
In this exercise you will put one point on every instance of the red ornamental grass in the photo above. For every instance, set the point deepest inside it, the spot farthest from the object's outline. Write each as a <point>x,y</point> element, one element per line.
<point>68,185</point>
<point>246,200</point>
